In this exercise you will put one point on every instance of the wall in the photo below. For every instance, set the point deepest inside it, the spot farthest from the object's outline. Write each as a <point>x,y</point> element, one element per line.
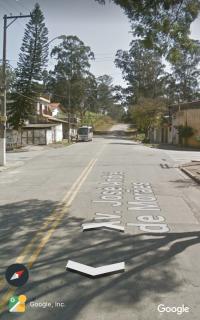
<point>33,136</point>
<point>191,117</point>
<point>13,138</point>
<point>58,133</point>
<point>26,137</point>
<point>55,112</point>
<point>49,136</point>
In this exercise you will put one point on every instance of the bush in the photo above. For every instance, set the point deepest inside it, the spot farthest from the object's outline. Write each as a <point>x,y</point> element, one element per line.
<point>185,131</point>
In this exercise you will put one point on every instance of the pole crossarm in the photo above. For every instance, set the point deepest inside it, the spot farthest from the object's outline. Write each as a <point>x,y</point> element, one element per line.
<point>14,18</point>
<point>20,16</point>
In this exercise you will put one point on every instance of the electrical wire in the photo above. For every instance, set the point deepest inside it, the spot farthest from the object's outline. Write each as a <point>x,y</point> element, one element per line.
<point>8,8</point>
<point>21,4</point>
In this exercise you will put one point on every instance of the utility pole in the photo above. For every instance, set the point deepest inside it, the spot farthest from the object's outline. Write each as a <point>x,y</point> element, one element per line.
<point>69,106</point>
<point>3,116</point>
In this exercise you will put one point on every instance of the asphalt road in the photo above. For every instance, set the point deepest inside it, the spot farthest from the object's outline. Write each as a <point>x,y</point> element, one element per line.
<point>44,203</point>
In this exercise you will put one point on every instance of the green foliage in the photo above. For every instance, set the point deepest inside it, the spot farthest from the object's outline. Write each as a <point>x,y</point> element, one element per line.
<point>183,82</point>
<point>97,121</point>
<point>143,70</point>
<point>10,78</point>
<point>73,58</point>
<point>185,131</point>
<point>162,24</point>
<point>146,113</point>
<point>105,98</point>
<point>71,82</point>
<point>31,65</point>
<point>21,109</point>
<point>34,51</point>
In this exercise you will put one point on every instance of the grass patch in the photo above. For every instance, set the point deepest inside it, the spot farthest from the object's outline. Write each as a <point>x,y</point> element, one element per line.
<point>99,122</point>
<point>139,137</point>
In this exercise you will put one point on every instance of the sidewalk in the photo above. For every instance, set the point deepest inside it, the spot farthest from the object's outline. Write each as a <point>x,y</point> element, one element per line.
<point>192,169</point>
<point>16,158</point>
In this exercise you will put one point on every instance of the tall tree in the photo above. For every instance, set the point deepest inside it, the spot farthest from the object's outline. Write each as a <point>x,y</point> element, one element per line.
<point>71,79</point>
<point>143,71</point>
<point>105,97</point>
<point>32,62</point>
<point>34,51</point>
<point>183,82</point>
<point>162,24</point>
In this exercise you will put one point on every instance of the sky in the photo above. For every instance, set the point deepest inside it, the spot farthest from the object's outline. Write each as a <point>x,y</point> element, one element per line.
<point>104,28</point>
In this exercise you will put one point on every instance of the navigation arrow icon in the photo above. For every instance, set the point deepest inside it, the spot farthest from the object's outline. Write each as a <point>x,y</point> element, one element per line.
<point>94,272</point>
<point>107,225</point>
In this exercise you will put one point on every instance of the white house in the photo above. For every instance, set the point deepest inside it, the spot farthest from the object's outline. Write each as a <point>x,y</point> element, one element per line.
<point>42,106</point>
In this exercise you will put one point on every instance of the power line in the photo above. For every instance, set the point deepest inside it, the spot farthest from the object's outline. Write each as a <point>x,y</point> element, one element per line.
<point>12,6</point>
<point>9,8</point>
<point>21,4</point>
<point>23,95</point>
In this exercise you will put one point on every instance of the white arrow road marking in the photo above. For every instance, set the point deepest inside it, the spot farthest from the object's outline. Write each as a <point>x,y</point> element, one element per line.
<point>109,225</point>
<point>83,268</point>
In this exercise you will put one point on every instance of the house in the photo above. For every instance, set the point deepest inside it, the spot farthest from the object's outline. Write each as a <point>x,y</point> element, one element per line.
<point>186,114</point>
<point>42,106</point>
<point>50,124</point>
<point>45,107</point>
<point>54,112</point>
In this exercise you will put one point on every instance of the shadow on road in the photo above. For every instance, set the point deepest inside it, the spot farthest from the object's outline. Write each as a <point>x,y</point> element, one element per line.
<point>176,147</point>
<point>183,183</point>
<point>151,264</point>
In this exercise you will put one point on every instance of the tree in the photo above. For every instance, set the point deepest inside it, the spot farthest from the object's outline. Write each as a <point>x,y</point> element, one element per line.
<point>71,81</point>
<point>105,98</point>
<point>184,132</point>
<point>10,78</point>
<point>73,58</point>
<point>163,25</point>
<point>143,71</point>
<point>32,63</point>
<point>183,83</point>
<point>34,51</point>
<point>147,113</point>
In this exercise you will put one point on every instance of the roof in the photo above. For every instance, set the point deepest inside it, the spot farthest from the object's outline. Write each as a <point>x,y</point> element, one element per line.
<point>54,119</point>
<point>43,99</point>
<point>39,125</point>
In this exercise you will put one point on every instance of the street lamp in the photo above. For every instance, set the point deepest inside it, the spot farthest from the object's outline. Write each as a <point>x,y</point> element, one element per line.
<point>66,77</point>
<point>62,37</point>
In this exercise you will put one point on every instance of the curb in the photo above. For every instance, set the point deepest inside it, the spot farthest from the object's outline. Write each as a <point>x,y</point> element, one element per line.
<point>7,167</point>
<point>191,175</point>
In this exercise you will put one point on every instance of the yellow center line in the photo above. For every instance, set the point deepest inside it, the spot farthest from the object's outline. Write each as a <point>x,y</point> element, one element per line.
<point>53,221</point>
<point>47,223</point>
<point>64,210</point>
<point>52,217</point>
